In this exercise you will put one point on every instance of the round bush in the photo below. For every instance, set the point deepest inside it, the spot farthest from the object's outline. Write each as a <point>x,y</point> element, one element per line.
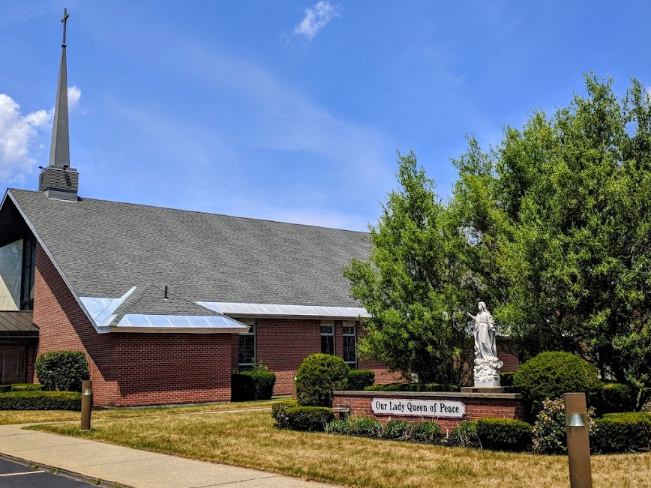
<point>621,432</point>
<point>358,379</point>
<point>550,375</point>
<point>318,377</point>
<point>397,430</point>
<point>464,435</point>
<point>338,426</point>
<point>504,434</point>
<point>427,432</point>
<point>366,427</point>
<point>313,419</point>
<point>62,370</point>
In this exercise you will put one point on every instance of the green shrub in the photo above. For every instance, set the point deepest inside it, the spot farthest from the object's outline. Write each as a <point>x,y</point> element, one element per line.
<point>313,419</point>
<point>62,370</point>
<point>614,397</point>
<point>621,432</point>
<point>549,435</point>
<point>427,432</point>
<point>397,430</point>
<point>40,400</point>
<point>413,387</point>
<point>464,435</point>
<point>504,434</point>
<point>318,377</point>
<point>550,375</point>
<point>337,426</point>
<point>365,427</point>
<point>20,387</point>
<point>506,378</point>
<point>252,385</point>
<point>358,379</point>
<point>279,412</point>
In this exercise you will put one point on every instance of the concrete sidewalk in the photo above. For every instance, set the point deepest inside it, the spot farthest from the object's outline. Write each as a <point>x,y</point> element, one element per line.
<point>131,468</point>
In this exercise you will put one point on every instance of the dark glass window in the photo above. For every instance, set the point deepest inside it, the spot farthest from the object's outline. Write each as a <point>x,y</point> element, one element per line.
<point>328,339</point>
<point>28,272</point>
<point>350,346</point>
<point>246,350</point>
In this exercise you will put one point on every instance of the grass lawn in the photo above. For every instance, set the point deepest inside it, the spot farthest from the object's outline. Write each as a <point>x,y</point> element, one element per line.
<point>249,439</point>
<point>29,416</point>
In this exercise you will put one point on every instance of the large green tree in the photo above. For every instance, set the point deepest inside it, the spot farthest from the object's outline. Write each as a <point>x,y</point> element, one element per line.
<point>415,286</point>
<point>559,225</point>
<point>552,228</point>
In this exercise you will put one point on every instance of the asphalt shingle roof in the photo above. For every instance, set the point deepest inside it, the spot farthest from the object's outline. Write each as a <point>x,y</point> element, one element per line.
<point>104,248</point>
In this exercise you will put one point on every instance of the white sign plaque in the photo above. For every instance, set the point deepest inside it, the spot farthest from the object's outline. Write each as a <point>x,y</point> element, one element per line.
<point>417,408</point>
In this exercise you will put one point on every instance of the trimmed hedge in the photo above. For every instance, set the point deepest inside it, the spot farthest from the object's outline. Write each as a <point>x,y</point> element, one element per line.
<point>427,432</point>
<point>313,419</point>
<point>338,426</point>
<point>279,413</point>
<point>318,377</point>
<point>464,435</point>
<point>252,385</point>
<point>550,375</point>
<point>20,387</point>
<point>435,387</point>
<point>621,432</point>
<point>359,379</point>
<point>614,397</point>
<point>397,430</point>
<point>504,434</point>
<point>40,400</point>
<point>62,370</point>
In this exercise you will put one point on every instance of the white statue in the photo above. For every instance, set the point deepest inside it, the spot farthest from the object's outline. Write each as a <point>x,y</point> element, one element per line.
<point>487,364</point>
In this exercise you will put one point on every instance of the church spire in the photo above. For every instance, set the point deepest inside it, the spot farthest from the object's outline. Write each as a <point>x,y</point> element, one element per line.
<point>59,180</point>
<point>60,149</point>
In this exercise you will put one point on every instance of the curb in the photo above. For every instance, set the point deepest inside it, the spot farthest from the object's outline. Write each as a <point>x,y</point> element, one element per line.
<point>65,472</point>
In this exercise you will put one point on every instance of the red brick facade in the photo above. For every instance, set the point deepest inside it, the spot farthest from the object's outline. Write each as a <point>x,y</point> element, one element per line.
<point>481,406</point>
<point>129,369</point>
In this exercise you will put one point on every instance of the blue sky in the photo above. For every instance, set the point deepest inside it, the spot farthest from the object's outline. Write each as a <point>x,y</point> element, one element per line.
<point>292,110</point>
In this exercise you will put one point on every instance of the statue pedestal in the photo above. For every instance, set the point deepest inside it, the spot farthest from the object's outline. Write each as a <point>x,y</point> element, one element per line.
<point>482,389</point>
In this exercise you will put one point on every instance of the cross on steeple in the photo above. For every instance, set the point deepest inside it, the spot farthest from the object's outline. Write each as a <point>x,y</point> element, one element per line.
<point>65,21</point>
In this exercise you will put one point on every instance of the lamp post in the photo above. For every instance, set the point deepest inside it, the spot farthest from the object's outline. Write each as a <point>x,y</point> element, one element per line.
<point>578,440</point>
<point>86,403</point>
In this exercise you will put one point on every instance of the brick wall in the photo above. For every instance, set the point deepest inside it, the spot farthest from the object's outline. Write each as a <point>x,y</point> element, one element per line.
<point>476,408</point>
<point>131,369</point>
<point>283,344</point>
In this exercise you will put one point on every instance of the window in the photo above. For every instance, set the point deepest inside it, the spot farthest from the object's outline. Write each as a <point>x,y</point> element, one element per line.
<point>27,278</point>
<point>350,346</point>
<point>246,349</point>
<point>328,339</point>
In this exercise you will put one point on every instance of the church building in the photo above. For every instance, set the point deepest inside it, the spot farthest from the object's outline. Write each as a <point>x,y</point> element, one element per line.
<point>166,303</point>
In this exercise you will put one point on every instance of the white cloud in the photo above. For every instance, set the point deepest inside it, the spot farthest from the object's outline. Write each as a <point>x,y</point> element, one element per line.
<point>74,94</point>
<point>18,134</point>
<point>316,18</point>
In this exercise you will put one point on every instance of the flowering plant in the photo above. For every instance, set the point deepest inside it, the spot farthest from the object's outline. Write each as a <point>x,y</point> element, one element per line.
<point>549,431</point>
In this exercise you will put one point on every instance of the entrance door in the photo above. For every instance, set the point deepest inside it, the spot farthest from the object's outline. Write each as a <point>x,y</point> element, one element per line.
<point>12,364</point>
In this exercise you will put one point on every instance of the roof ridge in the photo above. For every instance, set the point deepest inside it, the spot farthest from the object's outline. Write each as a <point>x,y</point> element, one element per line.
<point>202,212</point>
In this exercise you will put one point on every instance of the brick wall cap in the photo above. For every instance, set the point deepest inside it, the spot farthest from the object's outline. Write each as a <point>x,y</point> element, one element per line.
<point>429,394</point>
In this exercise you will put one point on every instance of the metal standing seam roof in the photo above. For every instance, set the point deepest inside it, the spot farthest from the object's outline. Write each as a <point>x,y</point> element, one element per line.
<point>18,323</point>
<point>103,249</point>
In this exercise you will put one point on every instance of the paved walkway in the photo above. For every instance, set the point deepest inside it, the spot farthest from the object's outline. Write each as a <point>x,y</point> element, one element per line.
<point>131,468</point>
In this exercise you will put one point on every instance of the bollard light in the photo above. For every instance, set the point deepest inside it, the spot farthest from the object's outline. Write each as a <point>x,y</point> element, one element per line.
<point>294,395</point>
<point>578,440</point>
<point>86,403</point>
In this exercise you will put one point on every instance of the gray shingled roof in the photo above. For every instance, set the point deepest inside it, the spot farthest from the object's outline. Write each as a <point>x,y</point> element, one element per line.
<point>104,248</point>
